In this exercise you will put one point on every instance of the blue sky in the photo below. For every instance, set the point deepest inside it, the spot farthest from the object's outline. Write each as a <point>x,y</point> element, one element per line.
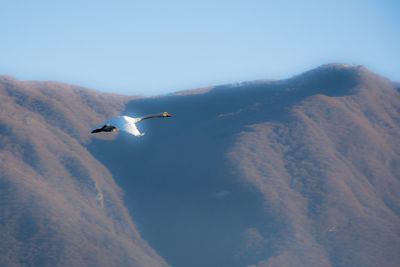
<point>157,47</point>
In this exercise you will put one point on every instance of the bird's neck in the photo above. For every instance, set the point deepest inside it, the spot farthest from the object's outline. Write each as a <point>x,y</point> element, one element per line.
<point>152,116</point>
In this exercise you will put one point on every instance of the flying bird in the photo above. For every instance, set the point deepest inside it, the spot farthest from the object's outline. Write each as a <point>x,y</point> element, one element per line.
<point>126,124</point>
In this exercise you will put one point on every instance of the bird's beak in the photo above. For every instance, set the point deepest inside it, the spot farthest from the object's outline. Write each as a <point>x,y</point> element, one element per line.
<point>169,115</point>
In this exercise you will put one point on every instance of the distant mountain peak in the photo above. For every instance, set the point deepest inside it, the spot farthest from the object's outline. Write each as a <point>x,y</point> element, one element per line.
<point>329,68</point>
<point>333,67</point>
<point>337,65</point>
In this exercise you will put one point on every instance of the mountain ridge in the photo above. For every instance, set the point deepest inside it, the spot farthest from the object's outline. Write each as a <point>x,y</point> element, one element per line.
<point>273,142</point>
<point>302,171</point>
<point>60,206</point>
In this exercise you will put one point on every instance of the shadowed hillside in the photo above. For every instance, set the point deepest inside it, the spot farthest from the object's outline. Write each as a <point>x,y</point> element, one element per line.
<point>299,172</point>
<point>396,85</point>
<point>59,205</point>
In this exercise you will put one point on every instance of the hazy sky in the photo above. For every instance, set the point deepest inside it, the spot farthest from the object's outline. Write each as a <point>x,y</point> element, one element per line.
<point>156,47</point>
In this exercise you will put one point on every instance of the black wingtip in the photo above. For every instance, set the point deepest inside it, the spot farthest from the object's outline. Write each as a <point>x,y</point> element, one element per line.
<point>95,131</point>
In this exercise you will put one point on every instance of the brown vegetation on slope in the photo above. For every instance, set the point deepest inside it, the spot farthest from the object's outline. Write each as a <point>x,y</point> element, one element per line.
<point>299,172</point>
<point>331,173</point>
<point>59,205</point>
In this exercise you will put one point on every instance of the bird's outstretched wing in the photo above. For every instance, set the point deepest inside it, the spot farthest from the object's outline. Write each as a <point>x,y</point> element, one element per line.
<point>131,128</point>
<point>125,124</point>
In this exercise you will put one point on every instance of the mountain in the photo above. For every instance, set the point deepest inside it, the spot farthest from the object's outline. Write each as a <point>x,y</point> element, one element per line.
<point>297,172</point>
<point>59,205</point>
<point>396,85</point>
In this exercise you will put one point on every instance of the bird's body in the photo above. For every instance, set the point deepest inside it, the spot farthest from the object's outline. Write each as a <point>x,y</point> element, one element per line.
<point>126,124</point>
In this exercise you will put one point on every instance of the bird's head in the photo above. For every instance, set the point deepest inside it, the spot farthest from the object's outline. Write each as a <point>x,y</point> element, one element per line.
<point>165,114</point>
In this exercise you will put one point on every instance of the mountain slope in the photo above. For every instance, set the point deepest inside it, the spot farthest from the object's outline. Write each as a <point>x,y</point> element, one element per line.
<point>332,173</point>
<point>299,172</point>
<point>60,206</point>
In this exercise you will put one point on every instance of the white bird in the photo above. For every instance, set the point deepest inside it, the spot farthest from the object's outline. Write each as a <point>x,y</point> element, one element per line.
<point>126,124</point>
